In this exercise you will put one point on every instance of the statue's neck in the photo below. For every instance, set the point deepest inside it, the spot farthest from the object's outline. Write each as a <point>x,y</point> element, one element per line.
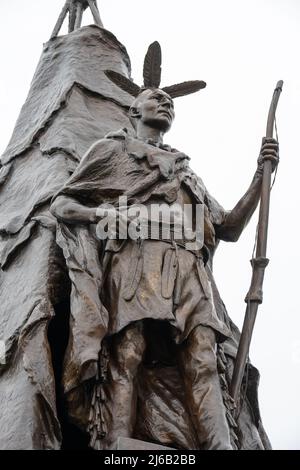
<point>149,133</point>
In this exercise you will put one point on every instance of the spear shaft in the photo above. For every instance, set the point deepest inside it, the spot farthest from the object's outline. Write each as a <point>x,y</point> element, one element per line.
<point>259,263</point>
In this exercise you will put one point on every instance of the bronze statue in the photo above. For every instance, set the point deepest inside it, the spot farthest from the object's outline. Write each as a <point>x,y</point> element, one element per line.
<point>120,338</point>
<point>154,280</point>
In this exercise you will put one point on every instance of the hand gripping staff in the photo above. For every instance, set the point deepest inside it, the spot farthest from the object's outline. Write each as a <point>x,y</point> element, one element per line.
<point>259,262</point>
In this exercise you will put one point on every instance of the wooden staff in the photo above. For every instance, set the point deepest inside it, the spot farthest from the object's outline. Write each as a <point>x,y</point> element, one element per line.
<point>259,263</point>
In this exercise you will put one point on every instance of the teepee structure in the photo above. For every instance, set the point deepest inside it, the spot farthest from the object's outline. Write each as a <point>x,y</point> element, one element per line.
<point>70,105</point>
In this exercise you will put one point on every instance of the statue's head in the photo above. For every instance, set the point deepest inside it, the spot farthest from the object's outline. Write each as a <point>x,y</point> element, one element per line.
<point>153,105</point>
<point>154,108</point>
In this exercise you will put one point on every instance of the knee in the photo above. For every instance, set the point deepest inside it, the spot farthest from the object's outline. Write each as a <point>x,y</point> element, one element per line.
<point>199,354</point>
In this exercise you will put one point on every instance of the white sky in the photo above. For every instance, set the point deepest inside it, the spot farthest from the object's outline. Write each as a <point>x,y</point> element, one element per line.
<point>241,48</point>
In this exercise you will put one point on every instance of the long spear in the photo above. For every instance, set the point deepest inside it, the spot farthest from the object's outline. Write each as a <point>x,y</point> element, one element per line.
<point>259,263</point>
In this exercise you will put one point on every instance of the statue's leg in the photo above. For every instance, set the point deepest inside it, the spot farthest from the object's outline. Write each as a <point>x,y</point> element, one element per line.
<point>202,389</point>
<point>127,350</point>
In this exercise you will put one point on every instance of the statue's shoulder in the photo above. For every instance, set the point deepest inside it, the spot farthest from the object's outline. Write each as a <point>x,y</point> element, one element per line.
<point>120,135</point>
<point>104,148</point>
<point>192,177</point>
<point>111,140</point>
<point>127,142</point>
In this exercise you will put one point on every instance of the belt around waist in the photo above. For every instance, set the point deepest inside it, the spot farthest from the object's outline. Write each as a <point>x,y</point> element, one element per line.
<point>202,253</point>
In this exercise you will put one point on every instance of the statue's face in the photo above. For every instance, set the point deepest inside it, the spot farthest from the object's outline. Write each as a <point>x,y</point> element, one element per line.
<point>155,109</point>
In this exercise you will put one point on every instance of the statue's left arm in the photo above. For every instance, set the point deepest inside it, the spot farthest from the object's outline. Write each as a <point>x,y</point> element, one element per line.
<point>237,219</point>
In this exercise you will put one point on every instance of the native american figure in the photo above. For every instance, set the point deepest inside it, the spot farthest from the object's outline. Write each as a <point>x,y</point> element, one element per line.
<point>112,338</point>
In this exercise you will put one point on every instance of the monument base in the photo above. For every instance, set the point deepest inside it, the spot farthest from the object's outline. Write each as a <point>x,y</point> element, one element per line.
<point>126,443</point>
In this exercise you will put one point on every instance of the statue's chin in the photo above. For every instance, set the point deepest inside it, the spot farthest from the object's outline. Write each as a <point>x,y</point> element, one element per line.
<point>162,125</point>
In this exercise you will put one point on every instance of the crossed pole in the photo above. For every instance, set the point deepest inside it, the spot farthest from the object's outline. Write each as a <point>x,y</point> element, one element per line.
<point>75,10</point>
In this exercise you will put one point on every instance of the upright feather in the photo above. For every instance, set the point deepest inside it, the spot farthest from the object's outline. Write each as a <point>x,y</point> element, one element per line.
<point>152,66</point>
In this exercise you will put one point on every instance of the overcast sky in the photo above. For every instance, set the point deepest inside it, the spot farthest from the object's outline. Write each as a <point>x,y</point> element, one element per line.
<point>241,48</point>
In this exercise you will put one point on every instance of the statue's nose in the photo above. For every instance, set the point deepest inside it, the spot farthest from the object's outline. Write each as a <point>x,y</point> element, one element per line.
<point>166,105</point>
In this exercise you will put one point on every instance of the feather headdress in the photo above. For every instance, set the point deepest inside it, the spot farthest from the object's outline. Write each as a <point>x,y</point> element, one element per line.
<point>152,77</point>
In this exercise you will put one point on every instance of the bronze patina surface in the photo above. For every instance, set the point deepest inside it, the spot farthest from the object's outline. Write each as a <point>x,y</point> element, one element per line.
<point>117,340</point>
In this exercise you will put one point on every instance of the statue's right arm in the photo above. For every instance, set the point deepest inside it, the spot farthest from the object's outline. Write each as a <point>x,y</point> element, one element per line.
<point>70,211</point>
<point>67,208</point>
